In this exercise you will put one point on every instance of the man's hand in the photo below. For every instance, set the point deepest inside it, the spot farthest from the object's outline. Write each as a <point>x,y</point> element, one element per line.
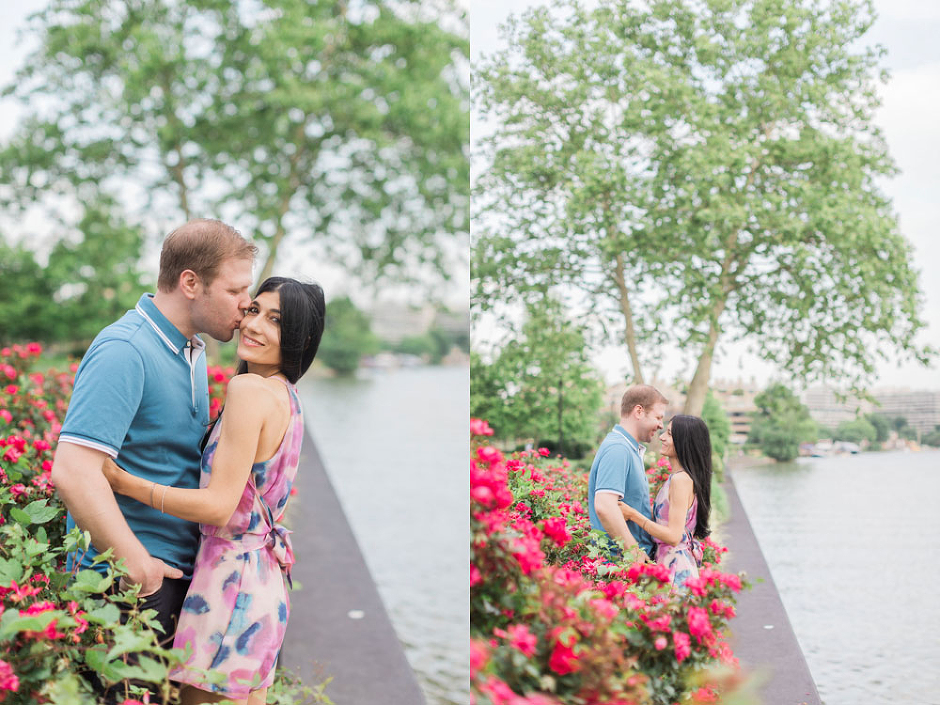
<point>149,575</point>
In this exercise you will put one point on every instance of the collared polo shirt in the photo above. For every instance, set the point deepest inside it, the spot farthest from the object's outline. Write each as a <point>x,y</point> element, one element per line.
<point>618,468</point>
<point>141,395</point>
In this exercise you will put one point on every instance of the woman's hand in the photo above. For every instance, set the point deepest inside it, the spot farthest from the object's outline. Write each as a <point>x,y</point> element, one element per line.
<point>629,513</point>
<point>115,475</point>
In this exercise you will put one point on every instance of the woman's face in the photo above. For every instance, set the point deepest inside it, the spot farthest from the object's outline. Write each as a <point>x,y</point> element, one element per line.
<point>668,449</point>
<point>259,339</point>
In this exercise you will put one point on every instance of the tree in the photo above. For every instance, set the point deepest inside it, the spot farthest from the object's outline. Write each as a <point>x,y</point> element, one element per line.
<point>347,336</point>
<point>541,385</point>
<point>781,423</point>
<point>26,295</point>
<point>90,280</point>
<point>881,424</point>
<point>712,165</point>
<point>719,425</point>
<point>95,275</point>
<point>856,431</point>
<point>345,126</point>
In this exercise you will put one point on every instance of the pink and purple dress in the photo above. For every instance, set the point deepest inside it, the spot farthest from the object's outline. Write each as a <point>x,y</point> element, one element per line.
<point>683,559</point>
<point>235,614</point>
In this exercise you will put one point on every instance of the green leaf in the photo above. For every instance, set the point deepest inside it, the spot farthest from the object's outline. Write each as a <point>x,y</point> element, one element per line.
<point>39,512</point>
<point>10,569</point>
<point>13,623</point>
<point>127,641</point>
<point>91,581</point>
<point>107,614</point>
<point>19,516</point>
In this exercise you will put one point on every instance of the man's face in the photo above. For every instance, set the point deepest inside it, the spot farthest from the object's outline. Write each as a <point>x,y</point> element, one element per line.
<point>651,421</point>
<point>219,308</point>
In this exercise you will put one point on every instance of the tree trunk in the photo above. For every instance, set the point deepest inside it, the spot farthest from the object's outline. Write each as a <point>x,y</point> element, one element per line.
<point>698,387</point>
<point>630,331</point>
<point>561,432</point>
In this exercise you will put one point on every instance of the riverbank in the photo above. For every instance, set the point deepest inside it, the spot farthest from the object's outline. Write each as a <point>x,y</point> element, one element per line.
<point>761,634</point>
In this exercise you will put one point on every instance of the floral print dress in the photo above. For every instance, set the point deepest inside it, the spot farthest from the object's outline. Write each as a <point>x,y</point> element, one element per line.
<point>683,559</point>
<point>235,614</point>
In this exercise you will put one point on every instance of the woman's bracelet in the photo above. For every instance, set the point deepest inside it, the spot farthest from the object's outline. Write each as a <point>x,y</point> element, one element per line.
<point>152,488</point>
<point>163,499</point>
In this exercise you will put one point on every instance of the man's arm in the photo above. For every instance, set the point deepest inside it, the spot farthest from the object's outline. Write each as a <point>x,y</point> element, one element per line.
<point>77,476</point>
<point>608,511</point>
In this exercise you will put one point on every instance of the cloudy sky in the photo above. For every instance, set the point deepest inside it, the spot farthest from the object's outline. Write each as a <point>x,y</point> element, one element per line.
<point>908,29</point>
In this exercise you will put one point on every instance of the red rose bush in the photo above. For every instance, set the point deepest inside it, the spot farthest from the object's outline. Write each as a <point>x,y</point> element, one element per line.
<point>553,621</point>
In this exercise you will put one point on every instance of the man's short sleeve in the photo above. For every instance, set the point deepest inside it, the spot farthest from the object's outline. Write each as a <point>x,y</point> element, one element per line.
<point>612,470</point>
<point>108,389</point>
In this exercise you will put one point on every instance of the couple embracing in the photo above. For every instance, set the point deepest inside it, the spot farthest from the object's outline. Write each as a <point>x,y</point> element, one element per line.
<point>194,508</point>
<point>670,531</point>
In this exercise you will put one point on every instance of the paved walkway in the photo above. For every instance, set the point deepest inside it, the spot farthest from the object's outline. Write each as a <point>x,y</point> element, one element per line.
<point>762,637</point>
<point>338,625</point>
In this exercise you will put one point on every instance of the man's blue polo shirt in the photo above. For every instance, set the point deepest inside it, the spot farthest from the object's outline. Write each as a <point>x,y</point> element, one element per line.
<point>618,467</point>
<point>141,395</point>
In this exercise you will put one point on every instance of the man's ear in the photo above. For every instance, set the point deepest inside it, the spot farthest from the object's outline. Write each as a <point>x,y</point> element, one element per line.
<point>189,283</point>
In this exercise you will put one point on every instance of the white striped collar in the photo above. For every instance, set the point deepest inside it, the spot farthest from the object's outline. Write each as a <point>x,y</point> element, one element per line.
<point>197,343</point>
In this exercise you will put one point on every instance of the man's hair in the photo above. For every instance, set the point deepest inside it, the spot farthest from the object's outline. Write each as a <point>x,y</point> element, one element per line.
<point>200,245</point>
<point>642,394</point>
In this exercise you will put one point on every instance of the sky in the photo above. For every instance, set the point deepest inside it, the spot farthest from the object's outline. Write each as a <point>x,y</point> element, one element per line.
<point>908,29</point>
<point>301,262</point>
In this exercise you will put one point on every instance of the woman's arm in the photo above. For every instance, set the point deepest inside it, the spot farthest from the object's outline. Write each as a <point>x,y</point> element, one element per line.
<point>247,405</point>
<point>680,496</point>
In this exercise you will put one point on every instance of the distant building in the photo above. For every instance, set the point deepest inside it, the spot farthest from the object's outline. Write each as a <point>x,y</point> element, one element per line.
<point>828,408</point>
<point>920,407</point>
<point>737,399</point>
<point>393,321</point>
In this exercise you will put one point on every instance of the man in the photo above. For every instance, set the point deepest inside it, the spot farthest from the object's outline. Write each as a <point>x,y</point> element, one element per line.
<point>141,397</point>
<point>618,472</point>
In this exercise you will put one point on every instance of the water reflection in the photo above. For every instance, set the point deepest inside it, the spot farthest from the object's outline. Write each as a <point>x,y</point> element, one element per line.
<point>851,543</point>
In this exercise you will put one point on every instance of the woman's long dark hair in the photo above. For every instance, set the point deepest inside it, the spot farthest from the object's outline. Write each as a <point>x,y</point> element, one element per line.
<point>302,312</point>
<point>693,446</point>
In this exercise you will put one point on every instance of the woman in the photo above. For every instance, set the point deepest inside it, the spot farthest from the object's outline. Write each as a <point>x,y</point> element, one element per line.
<point>235,613</point>
<point>683,502</point>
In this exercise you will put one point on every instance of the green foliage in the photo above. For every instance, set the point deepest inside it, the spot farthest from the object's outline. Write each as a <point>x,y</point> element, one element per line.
<point>434,345</point>
<point>719,429</point>
<point>881,424</point>
<point>856,431</point>
<point>541,385</point>
<point>346,127</point>
<point>932,438</point>
<point>702,168</point>
<point>90,280</point>
<point>347,336</point>
<point>26,294</point>
<point>903,428</point>
<point>781,423</point>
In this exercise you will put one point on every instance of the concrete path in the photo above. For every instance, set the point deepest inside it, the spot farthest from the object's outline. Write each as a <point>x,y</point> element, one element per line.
<point>762,637</point>
<point>338,625</point>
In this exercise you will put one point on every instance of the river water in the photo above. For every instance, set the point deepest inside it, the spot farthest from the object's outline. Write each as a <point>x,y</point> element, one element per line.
<point>405,493</point>
<point>853,546</point>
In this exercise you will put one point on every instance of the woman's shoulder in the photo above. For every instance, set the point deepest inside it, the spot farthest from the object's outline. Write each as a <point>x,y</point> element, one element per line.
<point>681,479</point>
<point>252,388</point>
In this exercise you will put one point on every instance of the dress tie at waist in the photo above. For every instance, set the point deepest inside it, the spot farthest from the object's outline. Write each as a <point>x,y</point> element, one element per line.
<point>277,541</point>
